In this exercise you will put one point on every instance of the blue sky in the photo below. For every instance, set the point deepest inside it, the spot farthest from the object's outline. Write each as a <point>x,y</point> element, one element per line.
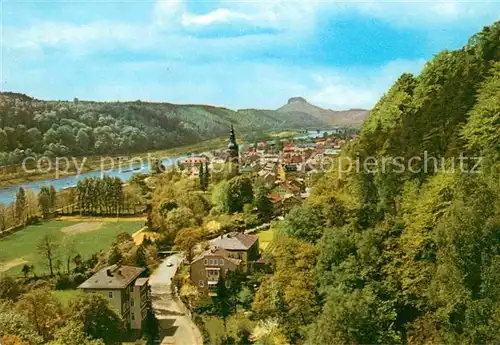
<point>238,54</point>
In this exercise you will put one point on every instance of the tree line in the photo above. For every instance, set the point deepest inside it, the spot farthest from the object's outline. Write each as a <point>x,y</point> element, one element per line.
<point>410,258</point>
<point>91,196</point>
<point>28,207</point>
<point>32,128</point>
<point>100,196</point>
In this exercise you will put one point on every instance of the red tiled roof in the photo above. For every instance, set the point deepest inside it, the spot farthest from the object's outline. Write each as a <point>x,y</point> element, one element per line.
<point>195,160</point>
<point>275,197</point>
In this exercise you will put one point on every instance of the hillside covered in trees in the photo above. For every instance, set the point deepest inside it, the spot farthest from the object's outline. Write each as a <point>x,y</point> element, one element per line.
<point>55,128</point>
<point>412,257</point>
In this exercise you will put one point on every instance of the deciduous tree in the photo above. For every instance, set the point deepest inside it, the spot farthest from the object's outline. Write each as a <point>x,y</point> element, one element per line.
<point>48,249</point>
<point>99,319</point>
<point>43,311</point>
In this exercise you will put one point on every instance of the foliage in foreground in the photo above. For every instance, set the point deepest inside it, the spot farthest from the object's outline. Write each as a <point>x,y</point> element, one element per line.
<point>404,257</point>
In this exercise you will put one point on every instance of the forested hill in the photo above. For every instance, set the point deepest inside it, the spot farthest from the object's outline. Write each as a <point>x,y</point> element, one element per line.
<point>407,257</point>
<point>54,128</point>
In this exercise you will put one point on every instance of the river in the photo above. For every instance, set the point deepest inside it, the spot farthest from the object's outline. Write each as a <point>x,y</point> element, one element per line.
<point>8,194</point>
<point>317,133</point>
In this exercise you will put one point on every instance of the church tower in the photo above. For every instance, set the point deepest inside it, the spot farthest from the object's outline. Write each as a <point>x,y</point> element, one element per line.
<point>233,149</point>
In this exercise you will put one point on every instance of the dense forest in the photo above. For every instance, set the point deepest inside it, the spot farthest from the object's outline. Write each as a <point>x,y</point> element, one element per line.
<point>55,128</point>
<point>381,257</point>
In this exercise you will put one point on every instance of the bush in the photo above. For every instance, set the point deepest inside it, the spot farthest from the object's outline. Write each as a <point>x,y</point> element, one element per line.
<point>63,282</point>
<point>198,321</point>
<point>42,284</point>
<point>79,279</point>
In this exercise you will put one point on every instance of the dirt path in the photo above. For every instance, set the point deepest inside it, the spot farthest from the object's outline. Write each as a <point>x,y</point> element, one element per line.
<point>101,219</point>
<point>170,311</point>
<point>82,228</point>
<point>139,236</point>
<point>11,264</point>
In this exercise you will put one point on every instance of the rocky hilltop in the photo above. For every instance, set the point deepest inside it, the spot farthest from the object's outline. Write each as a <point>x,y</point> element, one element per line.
<point>297,105</point>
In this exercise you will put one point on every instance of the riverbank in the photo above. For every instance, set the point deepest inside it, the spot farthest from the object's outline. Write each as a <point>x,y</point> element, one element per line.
<point>15,175</point>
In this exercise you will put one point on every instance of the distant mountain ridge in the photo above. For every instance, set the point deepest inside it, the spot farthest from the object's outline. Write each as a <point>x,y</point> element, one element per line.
<point>332,117</point>
<point>30,126</point>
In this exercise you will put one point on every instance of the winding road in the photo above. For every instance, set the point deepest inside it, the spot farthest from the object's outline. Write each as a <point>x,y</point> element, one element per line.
<point>176,326</point>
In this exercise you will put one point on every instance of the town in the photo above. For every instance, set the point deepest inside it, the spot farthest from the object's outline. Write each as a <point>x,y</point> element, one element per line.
<point>179,172</point>
<point>208,220</point>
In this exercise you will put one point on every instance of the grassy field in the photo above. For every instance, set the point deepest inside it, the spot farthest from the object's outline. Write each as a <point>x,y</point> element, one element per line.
<point>285,134</point>
<point>215,328</point>
<point>265,237</point>
<point>88,237</point>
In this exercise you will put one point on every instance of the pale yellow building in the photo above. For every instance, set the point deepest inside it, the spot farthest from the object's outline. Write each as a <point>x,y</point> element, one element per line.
<point>124,289</point>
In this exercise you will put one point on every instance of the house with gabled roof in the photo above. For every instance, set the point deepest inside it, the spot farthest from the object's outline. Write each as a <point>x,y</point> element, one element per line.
<point>240,246</point>
<point>209,266</point>
<point>125,290</point>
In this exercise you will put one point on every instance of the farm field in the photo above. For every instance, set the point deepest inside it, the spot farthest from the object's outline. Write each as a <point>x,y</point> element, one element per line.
<point>88,237</point>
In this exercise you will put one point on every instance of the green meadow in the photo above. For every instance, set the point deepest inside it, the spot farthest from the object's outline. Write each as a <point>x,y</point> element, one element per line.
<point>86,238</point>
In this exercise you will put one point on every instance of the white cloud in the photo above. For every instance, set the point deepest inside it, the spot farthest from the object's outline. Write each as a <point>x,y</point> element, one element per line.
<point>222,70</point>
<point>217,16</point>
<point>258,84</point>
<point>277,14</point>
<point>173,25</point>
<point>60,34</point>
<point>167,13</point>
<point>338,89</point>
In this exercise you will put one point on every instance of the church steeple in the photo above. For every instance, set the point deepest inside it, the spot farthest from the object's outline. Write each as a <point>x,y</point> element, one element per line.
<point>232,140</point>
<point>232,148</point>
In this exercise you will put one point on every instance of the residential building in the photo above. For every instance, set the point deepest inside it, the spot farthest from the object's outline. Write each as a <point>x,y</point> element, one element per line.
<point>207,268</point>
<point>195,161</point>
<point>276,201</point>
<point>298,183</point>
<point>124,289</point>
<point>239,246</point>
<point>289,201</point>
<point>286,188</point>
<point>332,152</point>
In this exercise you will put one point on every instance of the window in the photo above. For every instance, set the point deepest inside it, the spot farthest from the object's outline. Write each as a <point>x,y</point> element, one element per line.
<point>205,262</point>
<point>213,274</point>
<point>132,316</point>
<point>131,288</point>
<point>110,294</point>
<point>202,283</point>
<point>132,302</point>
<point>221,262</point>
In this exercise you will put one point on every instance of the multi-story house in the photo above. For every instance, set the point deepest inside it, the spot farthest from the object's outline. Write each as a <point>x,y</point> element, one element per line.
<point>239,246</point>
<point>124,289</point>
<point>207,268</point>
